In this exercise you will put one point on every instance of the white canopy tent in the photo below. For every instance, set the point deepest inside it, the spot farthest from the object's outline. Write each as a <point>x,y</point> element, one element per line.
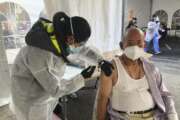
<point>104,16</point>
<point>4,77</point>
<point>33,7</point>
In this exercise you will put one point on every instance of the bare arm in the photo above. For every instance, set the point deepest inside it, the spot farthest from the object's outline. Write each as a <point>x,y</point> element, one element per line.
<point>106,84</point>
<point>103,96</point>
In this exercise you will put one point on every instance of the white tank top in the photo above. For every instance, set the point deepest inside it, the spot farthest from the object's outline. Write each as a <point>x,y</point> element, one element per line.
<point>128,94</point>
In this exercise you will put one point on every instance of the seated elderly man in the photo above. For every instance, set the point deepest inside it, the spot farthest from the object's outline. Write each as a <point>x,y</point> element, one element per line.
<point>134,90</point>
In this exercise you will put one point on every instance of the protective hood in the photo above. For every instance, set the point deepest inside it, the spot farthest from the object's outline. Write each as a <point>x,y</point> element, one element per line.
<point>40,38</point>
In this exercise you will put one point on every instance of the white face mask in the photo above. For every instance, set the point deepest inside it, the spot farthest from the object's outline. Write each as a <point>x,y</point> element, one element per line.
<point>134,52</point>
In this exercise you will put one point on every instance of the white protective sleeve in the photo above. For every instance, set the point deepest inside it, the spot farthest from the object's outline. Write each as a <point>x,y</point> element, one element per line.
<point>48,70</point>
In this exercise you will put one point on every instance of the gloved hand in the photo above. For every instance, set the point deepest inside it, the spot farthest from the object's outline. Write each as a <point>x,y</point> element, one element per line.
<point>87,72</point>
<point>107,67</point>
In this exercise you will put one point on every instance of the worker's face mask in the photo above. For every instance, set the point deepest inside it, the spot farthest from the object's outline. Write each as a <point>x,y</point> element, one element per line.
<point>134,52</point>
<point>74,50</point>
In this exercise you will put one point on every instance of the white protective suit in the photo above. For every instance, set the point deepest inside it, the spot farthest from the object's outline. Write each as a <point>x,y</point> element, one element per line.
<point>151,28</point>
<point>37,83</point>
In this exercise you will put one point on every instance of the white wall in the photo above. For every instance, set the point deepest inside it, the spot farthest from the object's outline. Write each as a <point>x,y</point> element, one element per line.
<point>141,10</point>
<point>170,6</point>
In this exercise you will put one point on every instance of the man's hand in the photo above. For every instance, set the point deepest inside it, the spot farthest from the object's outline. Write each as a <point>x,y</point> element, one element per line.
<point>107,67</point>
<point>87,72</point>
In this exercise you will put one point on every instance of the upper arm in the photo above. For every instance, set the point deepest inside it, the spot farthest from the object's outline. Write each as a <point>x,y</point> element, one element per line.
<point>115,73</point>
<point>48,70</point>
<point>104,93</point>
<point>107,83</point>
<point>37,60</point>
<point>105,86</point>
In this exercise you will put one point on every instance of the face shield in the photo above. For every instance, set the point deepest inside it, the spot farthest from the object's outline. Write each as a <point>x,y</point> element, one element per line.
<point>65,26</point>
<point>87,55</point>
<point>77,46</point>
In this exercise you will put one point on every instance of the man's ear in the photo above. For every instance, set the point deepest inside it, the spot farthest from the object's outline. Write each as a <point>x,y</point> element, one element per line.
<point>121,45</point>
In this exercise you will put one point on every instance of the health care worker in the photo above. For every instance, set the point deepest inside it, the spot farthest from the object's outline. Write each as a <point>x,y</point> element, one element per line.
<point>152,33</point>
<point>38,68</point>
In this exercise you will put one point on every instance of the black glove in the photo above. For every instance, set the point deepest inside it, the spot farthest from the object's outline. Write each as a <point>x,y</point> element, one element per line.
<point>87,72</point>
<point>106,67</point>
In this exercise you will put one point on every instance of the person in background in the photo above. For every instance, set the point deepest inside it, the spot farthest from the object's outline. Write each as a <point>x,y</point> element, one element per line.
<point>135,89</point>
<point>163,31</point>
<point>152,36</point>
<point>156,36</point>
<point>149,36</point>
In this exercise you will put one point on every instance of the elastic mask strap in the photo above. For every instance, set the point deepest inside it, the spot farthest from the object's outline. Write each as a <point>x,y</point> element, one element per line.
<point>72,31</point>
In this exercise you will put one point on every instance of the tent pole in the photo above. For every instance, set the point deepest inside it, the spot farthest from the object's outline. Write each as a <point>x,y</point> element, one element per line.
<point>123,18</point>
<point>151,9</point>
